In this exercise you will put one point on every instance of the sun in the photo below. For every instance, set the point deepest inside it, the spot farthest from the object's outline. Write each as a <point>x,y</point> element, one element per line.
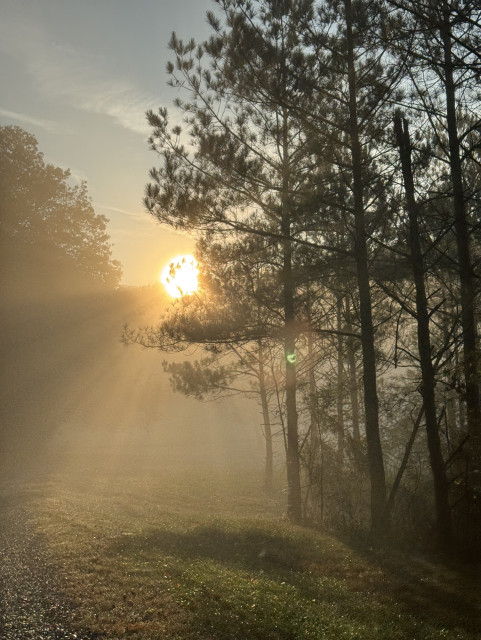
<point>179,276</point>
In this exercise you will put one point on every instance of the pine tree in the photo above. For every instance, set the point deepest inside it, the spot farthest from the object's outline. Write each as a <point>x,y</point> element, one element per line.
<point>249,168</point>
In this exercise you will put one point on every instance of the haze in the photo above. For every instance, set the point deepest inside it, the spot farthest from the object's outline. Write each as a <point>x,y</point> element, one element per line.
<point>240,358</point>
<point>80,76</point>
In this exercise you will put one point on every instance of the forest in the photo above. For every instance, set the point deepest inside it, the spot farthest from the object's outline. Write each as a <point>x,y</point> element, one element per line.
<point>328,160</point>
<point>325,156</point>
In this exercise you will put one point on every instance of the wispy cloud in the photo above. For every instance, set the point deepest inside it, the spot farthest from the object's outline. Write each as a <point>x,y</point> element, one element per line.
<point>78,79</point>
<point>83,85</point>
<point>76,175</point>
<point>137,215</point>
<point>48,125</point>
<point>144,223</point>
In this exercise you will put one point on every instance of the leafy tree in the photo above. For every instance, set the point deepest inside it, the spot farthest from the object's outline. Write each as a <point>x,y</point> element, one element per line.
<point>59,304</point>
<point>39,206</point>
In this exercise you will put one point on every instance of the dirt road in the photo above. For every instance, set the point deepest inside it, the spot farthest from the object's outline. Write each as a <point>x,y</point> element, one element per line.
<point>31,602</point>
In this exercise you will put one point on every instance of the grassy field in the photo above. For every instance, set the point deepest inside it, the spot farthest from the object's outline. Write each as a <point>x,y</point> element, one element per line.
<point>189,558</point>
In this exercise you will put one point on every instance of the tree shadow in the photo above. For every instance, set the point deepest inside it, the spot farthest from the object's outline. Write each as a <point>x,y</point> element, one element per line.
<point>432,588</point>
<point>252,550</point>
<point>419,588</point>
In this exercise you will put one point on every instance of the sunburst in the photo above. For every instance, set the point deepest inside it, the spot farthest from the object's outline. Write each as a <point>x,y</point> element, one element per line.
<point>180,276</point>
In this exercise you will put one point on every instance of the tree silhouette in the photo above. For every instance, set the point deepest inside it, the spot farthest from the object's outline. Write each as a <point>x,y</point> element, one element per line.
<point>39,206</point>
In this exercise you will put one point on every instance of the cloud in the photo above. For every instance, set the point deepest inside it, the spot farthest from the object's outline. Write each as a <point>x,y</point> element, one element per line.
<point>78,79</point>
<point>144,222</point>
<point>48,125</point>
<point>79,83</point>
<point>76,175</point>
<point>137,215</point>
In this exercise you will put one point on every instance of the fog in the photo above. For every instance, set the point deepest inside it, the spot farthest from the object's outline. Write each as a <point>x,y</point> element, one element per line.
<point>77,401</point>
<point>336,238</point>
<point>285,441</point>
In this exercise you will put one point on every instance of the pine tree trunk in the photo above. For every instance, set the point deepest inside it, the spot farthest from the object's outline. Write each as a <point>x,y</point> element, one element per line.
<point>450,393</point>
<point>379,515</point>
<point>466,274</point>
<point>269,463</point>
<point>314,463</point>
<point>353,384</point>
<point>294,498</point>
<point>340,385</point>
<point>313,418</point>
<point>443,514</point>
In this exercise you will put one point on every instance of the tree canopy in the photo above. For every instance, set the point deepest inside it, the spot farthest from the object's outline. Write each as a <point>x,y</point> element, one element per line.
<point>288,166</point>
<point>40,206</point>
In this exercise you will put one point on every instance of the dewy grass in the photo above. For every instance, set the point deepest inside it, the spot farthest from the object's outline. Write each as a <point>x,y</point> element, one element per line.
<point>191,560</point>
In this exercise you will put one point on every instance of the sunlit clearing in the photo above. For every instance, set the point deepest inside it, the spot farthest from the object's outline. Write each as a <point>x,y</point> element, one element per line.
<point>179,276</point>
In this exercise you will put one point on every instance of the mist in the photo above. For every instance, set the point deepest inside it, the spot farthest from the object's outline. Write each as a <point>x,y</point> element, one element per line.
<point>239,335</point>
<point>76,401</point>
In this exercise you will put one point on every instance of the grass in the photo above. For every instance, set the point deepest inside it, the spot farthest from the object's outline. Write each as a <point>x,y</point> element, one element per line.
<point>194,559</point>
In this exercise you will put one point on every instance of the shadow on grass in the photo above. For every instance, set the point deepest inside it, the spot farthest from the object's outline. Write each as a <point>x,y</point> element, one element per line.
<point>449,593</point>
<point>420,589</point>
<point>251,550</point>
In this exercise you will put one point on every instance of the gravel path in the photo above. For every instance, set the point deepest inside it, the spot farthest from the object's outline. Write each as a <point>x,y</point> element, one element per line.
<point>31,604</point>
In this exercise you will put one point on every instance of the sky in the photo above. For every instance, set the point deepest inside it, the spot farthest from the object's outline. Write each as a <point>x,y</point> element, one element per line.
<point>79,75</point>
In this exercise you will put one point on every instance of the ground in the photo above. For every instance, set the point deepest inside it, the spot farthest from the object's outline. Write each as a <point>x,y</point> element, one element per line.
<point>207,557</point>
